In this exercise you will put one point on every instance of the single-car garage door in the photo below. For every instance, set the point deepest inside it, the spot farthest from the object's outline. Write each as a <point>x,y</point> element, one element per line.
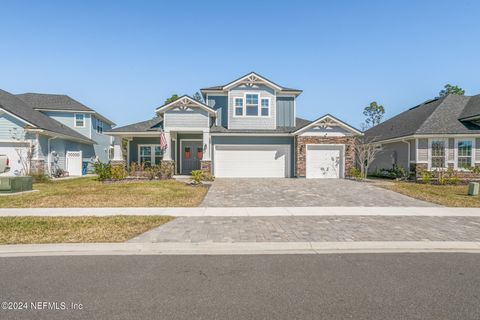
<point>325,161</point>
<point>252,161</point>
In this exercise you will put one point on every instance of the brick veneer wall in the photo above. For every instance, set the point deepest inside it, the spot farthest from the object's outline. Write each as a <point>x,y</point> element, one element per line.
<point>301,152</point>
<point>206,166</point>
<point>418,168</point>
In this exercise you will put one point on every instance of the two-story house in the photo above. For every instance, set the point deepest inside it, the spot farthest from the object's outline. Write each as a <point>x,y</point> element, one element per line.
<point>246,128</point>
<point>52,131</point>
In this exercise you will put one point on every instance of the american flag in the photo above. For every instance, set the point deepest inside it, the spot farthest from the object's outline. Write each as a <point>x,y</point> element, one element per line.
<point>163,141</point>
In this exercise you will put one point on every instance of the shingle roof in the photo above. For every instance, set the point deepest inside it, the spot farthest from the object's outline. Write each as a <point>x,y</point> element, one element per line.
<point>144,126</point>
<point>439,116</point>
<point>47,101</point>
<point>472,109</point>
<point>23,110</point>
<point>299,123</point>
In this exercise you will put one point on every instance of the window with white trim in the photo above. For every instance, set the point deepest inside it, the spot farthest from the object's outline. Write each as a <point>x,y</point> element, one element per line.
<point>438,153</point>
<point>464,154</point>
<point>265,107</point>
<point>99,126</point>
<point>251,104</point>
<point>79,120</point>
<point>149,154</point>
<point>239,106</point>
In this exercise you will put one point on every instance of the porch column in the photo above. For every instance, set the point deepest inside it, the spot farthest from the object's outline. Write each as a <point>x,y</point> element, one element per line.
<point>117,149</point>
<point>167,154</point>
<point>206,146</point>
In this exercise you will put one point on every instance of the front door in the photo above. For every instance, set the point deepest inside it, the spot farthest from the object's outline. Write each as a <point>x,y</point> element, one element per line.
<point>191,153</point>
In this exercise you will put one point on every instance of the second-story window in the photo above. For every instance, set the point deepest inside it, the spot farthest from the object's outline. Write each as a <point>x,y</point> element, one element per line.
<point>99,126</point>
<point>238,106</point>
<point>251,104</point>
<point>79,120</point>
<point>265,107</point>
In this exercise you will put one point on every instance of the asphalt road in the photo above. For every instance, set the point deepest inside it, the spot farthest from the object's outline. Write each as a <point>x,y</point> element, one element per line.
<point>337,286</point>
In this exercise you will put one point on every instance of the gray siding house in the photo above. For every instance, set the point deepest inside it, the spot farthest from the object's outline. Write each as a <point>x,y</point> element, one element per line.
<point>245,128</point>
<point>435,135</point>
<point>62,132</point>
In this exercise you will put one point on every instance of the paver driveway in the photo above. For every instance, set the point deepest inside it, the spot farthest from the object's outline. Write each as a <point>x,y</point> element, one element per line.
<point>303,193</point>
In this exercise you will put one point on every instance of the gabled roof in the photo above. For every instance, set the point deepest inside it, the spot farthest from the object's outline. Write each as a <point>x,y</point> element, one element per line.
<point>252,77</point>
<point>328,118</point>
<point>151,125</point>
<point>185,101</point>
<point>57,102</point>
<point>472,109</point>
<point>36,119</point>
<point>438,116</point>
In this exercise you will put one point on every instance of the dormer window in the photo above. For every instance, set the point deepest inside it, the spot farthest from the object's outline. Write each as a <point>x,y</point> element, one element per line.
<point>238,106</point>
<point>251,104</point>
<point>79,120</point>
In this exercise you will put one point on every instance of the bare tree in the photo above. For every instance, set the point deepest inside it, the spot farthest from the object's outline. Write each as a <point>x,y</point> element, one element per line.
<point>366,150</point>
<point>25,153</point>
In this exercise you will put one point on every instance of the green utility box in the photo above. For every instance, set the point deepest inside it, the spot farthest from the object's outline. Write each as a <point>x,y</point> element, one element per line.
<point>15,184</point>
<point>473,188</point>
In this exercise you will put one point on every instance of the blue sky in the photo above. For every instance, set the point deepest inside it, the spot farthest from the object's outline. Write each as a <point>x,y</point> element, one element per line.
<point>123,58</point>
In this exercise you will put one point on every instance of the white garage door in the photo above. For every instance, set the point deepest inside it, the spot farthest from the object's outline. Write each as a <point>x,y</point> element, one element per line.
<point>252,161</point>
<point>12,151</point>
<point>325,161</point>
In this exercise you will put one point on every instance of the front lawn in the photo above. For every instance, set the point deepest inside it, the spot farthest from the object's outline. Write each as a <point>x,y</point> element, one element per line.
<point>88,192</point>
<point>16,230</point>
<point>446,195</point>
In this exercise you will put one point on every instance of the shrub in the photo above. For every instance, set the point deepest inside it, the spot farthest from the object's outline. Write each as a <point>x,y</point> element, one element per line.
<point>355,173</point>
<point>103,170</point>
<point>117,172</point>
<point>197,176</point>
<point>426,176</point>
<point>40,178</point>
<point>208,177</point>
<point>396,172</point>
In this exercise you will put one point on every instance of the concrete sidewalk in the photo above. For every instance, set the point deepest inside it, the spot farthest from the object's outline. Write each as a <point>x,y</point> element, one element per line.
<point>246,211</point>
<point>74,249</point>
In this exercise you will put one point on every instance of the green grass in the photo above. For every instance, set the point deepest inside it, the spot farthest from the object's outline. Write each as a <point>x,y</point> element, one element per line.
<point>446,195</point>
<point>16,230</point>
<point>88,192</point>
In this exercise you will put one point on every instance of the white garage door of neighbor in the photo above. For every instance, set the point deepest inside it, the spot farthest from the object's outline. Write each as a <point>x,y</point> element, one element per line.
<point>325,161</point>
<point>252,161</point>
<point>74,163</point>
<point>11,150</point>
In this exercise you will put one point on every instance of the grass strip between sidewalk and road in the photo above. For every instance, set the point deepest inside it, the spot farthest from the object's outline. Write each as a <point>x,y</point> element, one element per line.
<point>29,230</point>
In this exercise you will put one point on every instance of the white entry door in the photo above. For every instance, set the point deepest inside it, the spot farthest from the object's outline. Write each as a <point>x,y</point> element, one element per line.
<point>252,161</point>
<point>74,163</point>
<point>325,161</point>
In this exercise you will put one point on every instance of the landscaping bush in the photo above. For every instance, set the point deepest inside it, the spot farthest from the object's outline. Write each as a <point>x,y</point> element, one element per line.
<point>197,176</point>
<point>208,177</point>
<point>118,172</point>
<point>40,178</point>
<point>355,173</point>
<point>103,170</point>
<point>426,176</point>
<point>398,173</point>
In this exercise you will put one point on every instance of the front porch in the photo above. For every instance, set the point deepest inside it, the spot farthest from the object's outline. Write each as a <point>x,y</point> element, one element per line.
<point>186,150</point>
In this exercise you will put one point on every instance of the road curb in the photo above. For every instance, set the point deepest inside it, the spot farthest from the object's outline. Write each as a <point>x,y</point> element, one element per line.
<point>238,248</point>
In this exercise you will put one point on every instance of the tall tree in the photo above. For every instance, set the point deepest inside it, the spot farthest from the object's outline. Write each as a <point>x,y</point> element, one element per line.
<point>197,96</point>
<point>172,98</point>
<point>451,89</point>
<point>374,114</point>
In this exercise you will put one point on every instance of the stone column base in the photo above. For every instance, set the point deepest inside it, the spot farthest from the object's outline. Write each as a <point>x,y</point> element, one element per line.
<point>37,166</point>
<point>206,166</point>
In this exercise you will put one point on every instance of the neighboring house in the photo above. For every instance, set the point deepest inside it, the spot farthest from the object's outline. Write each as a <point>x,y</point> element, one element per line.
<point>245,128</point>
<point>435,135</point>
<point>64,133</point>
